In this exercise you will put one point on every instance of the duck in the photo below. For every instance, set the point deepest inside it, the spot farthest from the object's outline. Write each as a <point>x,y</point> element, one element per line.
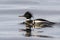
<point>37,23</point>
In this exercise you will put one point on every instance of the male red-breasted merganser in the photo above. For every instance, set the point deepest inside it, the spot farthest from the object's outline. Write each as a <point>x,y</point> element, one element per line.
<point>37,23</point>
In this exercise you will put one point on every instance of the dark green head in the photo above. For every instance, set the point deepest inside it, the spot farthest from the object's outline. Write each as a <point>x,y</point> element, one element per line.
<point>27,15</point>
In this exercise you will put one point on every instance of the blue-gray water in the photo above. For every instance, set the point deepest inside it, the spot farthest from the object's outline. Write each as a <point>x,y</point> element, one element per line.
<point>9,20</point>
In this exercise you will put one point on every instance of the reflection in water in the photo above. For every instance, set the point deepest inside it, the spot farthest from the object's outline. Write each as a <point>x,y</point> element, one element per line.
<point>45,36</point>
<point>28,34</point>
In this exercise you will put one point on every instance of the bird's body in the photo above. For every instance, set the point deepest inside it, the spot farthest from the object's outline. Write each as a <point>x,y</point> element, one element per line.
<point>40,23</point>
